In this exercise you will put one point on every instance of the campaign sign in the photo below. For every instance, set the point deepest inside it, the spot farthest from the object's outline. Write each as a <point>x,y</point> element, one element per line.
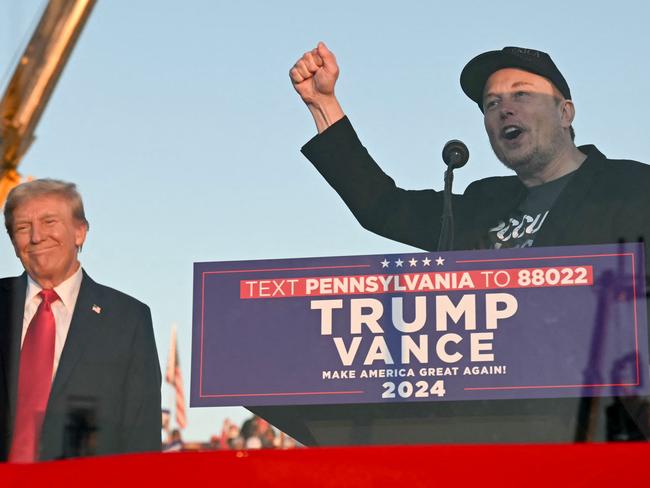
<point>521,323</point>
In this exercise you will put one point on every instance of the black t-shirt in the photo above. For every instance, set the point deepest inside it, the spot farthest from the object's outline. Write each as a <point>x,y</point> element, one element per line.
<point>520,226</point>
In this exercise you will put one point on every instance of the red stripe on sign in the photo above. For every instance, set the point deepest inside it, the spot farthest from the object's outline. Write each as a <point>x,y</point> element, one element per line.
<point>489,279</point>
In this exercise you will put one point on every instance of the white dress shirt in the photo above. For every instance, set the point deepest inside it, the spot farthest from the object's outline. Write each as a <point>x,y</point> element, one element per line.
<point>62,309</point>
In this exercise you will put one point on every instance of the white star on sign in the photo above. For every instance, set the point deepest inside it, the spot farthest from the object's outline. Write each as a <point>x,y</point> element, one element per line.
<point>384,263</point>
<point>426,261</point>
<point>399,263</point>
<point>440,261</point>
<point>413,262</point>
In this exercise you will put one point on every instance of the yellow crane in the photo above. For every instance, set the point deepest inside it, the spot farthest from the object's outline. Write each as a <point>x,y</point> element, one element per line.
<point>33,82</point>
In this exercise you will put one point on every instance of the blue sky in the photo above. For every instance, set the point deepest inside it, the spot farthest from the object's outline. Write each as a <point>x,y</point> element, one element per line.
<point>179,124</point>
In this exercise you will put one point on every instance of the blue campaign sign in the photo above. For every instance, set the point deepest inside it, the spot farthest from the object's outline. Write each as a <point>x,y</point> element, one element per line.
<point>520,323</point>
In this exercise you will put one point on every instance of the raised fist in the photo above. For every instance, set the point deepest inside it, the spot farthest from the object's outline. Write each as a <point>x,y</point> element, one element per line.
<point>314,74</point>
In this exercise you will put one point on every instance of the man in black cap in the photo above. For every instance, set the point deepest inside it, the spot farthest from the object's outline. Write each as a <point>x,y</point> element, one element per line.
<point>561,194</point>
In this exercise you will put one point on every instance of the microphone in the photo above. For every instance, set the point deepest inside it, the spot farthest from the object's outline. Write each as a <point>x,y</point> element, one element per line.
<point>455,154</point>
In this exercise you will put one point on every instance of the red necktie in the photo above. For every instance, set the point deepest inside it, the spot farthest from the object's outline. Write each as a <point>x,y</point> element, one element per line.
<point>34,380</point>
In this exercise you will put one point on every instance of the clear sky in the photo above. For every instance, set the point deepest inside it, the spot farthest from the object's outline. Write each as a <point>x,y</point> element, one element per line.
<point>179,124</point>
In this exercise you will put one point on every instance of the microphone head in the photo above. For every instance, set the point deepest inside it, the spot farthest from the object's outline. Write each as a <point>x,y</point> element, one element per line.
<point>455,154</point>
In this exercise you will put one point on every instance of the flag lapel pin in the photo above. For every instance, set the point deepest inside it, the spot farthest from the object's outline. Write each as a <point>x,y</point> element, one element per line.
<point>97,309</point>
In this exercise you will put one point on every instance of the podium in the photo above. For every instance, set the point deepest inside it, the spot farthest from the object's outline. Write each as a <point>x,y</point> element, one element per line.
<point>516,346</point>
<point>554,420</point>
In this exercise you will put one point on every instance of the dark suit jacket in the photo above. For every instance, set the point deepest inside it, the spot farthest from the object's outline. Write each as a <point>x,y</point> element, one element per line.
<point>108,367</point>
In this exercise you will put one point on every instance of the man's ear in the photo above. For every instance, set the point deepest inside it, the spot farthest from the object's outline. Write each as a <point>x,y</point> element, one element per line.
<point>13,243</point>
<point>80,231</point>
<point>567,113</point>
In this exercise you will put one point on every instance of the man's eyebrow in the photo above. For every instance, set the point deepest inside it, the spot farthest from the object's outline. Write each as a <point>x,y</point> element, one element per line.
<point>516,84</point>
<point>521,83</point>
<point>40,217</point>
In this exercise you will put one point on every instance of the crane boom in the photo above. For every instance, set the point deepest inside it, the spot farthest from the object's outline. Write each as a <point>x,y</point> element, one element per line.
<point>34,80</point>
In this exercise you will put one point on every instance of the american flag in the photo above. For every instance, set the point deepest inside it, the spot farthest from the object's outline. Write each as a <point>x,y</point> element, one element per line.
<point>173,377</point>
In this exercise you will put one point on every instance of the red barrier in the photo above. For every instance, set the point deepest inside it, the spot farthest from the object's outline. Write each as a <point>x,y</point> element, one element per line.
<point>449,466</point>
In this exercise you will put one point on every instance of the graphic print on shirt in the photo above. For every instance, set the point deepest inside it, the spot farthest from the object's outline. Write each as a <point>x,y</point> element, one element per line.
<point>518,231</point>
<point>521,225</point>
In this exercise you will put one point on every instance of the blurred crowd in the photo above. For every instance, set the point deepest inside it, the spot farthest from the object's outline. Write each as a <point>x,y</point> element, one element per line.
<point>254,433</point>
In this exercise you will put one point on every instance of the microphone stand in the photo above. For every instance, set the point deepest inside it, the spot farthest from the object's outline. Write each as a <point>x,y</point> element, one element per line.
<point>455,154</point>
<point>446,239</point>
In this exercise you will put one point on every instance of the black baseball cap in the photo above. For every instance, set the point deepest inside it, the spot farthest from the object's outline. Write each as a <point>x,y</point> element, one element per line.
<point>476,73</point>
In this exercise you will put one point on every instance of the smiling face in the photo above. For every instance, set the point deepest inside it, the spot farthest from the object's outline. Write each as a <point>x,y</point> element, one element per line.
<point>46,238</point>
<point>526,119</point>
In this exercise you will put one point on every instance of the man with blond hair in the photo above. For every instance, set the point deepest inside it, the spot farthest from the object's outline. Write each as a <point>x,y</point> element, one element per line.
<point>79,371</point>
